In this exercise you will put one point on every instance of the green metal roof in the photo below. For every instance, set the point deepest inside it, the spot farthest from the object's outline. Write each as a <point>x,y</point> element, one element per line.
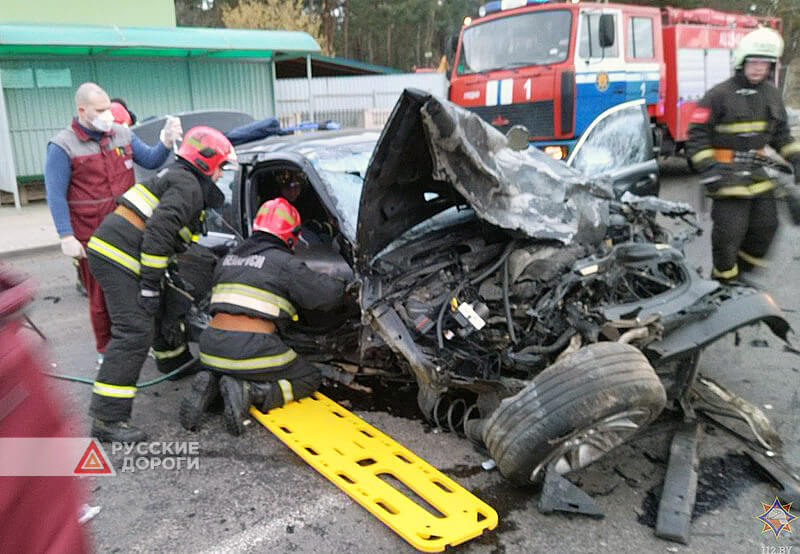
<point>181,42</point>
<point>294,65</point>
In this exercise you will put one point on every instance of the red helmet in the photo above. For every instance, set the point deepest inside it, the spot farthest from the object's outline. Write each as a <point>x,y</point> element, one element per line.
<point>206,149</point>
<point>120,114</point>
<point>278,217</point>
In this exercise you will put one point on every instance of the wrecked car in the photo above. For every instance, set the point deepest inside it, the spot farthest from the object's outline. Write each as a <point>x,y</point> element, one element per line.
<point>543,309</point>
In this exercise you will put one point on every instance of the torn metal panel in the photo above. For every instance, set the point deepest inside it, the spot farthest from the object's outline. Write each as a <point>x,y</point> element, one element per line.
<point>520,191</point>
<point>680,486</point>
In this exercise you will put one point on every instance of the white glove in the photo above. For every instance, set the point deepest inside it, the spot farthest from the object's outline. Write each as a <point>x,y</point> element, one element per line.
<point>70,246</point>
<point>172,131</point>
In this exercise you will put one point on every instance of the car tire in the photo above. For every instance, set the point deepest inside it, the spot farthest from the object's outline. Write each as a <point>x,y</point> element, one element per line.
<point>574,412</point>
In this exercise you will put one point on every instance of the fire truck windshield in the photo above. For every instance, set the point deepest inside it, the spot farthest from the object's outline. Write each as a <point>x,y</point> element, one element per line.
<point>537,38</point>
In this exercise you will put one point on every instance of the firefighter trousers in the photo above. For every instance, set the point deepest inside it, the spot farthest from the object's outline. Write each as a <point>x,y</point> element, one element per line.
<point>260,357</point>
<point>131,337</point>
<point>743,230</point>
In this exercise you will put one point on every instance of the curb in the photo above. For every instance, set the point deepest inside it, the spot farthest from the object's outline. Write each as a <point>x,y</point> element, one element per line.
<point>20,252</point>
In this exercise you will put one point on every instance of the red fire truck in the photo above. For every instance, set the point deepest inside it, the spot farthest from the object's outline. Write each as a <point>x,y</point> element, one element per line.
<point>555,67</point>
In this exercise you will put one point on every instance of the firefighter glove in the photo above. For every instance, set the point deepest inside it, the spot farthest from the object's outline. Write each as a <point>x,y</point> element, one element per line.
<point>149,301</point>
<point>712,180</point>
<point>172,131</point>
<point>70,246</point>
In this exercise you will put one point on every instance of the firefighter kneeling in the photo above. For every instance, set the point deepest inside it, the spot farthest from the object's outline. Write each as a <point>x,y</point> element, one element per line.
<point>256,285</point>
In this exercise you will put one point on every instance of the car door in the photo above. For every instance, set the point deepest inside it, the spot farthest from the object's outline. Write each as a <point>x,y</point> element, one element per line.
<point>619,145</point>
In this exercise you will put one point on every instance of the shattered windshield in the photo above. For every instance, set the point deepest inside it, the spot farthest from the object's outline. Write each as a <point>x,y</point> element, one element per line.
<point>616,141</point>
<point>342,168</point>
<point>538,38</point>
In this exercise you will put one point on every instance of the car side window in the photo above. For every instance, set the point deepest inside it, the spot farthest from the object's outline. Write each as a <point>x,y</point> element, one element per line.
<point>589,40</point>
<point>617,140</point>
<point>640,38</point>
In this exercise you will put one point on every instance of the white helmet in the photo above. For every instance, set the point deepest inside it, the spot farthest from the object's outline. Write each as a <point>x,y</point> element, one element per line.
<point>761,43</point>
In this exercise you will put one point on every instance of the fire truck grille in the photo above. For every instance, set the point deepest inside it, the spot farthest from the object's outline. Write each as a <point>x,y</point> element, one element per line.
<point>536,116</point>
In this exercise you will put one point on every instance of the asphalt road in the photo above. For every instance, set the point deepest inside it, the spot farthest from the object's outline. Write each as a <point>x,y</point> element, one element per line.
<point>252,494</point>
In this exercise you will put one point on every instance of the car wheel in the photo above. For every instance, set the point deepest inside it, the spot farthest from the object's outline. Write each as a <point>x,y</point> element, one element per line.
<point>574,412</point>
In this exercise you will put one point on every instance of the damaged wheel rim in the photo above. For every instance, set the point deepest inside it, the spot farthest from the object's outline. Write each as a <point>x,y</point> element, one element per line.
<point>587,445</point>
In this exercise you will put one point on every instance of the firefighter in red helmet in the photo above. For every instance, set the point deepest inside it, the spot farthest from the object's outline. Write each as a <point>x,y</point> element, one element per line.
<point>128,255</point>
<point>257,285</point>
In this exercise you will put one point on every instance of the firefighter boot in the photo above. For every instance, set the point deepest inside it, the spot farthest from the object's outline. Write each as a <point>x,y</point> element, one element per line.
<point>116,431</point>
<point>203,390</point>
<point>239,395</point>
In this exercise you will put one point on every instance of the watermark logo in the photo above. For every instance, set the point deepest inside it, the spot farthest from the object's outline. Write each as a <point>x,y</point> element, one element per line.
<point>71,456</point>
<point>53,457</point>
<point>94,461</point>
<point>776,518</point>
<point>164,455</point>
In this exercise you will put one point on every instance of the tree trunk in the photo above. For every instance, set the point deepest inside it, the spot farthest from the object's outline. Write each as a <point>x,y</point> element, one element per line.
<point>419,38</point>
<point>389,45</point>
<point>346,28</point>
<point>429,34</point>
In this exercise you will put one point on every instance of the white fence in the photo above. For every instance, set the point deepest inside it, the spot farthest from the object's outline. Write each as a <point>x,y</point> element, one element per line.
<point>361,101</point>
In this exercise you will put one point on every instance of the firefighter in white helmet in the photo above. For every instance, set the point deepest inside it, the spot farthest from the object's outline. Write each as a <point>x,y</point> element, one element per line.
<point>729,130</point>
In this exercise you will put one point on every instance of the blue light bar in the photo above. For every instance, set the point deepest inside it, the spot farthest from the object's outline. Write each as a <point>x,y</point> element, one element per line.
<point>489,7</point>
<point>501,5</point>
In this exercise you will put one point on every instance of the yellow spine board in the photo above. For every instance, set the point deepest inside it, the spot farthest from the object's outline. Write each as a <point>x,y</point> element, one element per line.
<point>363,462</point>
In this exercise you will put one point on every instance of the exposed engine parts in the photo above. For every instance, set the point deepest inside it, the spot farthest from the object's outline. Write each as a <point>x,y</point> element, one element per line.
<point>484,305</point>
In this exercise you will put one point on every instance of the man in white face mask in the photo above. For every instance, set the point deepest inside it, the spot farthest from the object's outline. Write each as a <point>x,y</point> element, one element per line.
<point>89,165</point>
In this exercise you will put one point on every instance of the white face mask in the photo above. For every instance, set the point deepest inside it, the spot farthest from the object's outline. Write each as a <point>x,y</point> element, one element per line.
<point>103,121</point>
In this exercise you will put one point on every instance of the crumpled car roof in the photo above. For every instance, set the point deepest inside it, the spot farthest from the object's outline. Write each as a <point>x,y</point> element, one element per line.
<point>433,154</point>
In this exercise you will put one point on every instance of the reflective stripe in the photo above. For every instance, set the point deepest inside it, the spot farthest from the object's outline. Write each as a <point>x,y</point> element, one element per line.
<point>113,391</point>
<point>167,354</point>
<point>252,298</point>
<point>791,148</point>
<point>286,389</point>
<point>114,254</point>
<point>702,155</point>
<point>743,127</point>
<point>185,234</point>
<point>745,190</point>
<point>758,262</point>
<point>157,262</point>
<point>249,363</point>
<point>727,274</point>
<point>144,200</point>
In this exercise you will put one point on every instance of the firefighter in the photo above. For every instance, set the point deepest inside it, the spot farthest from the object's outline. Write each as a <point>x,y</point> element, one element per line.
<point>257,285</point>
<point>128,255</point>
<point>729,130</point>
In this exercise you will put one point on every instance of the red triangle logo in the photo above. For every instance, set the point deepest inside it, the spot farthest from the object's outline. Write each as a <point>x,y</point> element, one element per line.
<point>93,462</point>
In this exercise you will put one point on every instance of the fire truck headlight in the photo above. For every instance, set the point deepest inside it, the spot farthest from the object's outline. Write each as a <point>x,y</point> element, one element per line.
<point>556,152</point>
<point>467,21</point>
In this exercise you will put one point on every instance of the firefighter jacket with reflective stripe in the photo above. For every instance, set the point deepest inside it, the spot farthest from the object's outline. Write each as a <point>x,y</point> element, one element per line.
<point>100,172</point>
<point>733,119</point>
<point>172,205</point>
<point>262,278</point>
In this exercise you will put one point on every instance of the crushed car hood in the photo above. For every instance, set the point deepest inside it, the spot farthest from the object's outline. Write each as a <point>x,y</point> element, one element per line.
<point>433,155</point>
